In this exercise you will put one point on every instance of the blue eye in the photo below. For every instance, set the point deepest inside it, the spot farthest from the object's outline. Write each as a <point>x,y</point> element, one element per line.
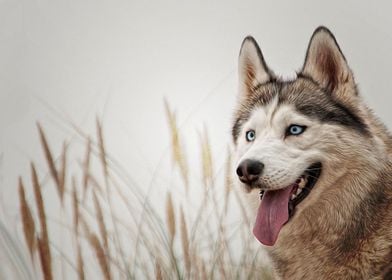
<point>295,129</point>
<point>250,135</point>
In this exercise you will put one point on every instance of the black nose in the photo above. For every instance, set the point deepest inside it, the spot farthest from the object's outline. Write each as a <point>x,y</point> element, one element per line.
<point>249,170</point>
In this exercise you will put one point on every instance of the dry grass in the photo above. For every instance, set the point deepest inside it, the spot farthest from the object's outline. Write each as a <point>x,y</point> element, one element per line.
<point>177,147</point>
<point>206,157</point>
<point>86,168</point>
<point>46,261</point>
<point>158,271</point>
<point>27,220</point>
<point>75,205</point>
<point>112,219</point>
<point>62,173</point>
<point>80,264</point>
<point>51,163</point>
<point>101,256</point>
<point>170,218</point>
<point>43,239</point>
<point>101,222</point>
<point>185,244</point>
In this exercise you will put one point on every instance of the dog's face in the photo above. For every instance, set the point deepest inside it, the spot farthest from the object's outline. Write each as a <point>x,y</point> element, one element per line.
<point>293,137</point>
<point>276,144</point>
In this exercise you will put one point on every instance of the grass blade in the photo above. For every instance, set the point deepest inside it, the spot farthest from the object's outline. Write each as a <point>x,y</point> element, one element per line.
<point>49,160</point>
<point>100,255</point>
<point>43,241</point>
<point>27,220</point>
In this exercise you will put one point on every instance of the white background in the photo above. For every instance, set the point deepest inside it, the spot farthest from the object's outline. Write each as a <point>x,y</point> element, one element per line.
<point>70,61</point>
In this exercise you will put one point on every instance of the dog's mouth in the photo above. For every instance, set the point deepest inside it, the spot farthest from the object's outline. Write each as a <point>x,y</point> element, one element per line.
<point>278,206</point>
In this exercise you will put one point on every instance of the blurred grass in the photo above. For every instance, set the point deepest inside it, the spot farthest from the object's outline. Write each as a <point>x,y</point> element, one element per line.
<point>113,221</point>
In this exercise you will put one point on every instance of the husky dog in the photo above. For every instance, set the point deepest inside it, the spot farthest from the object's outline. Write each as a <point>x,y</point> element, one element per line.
<point>319,164</point>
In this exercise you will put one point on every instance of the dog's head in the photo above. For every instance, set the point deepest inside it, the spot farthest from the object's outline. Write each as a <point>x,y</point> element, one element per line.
<point>294,138</point>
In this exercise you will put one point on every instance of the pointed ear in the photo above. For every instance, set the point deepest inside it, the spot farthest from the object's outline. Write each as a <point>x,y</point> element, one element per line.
<point>252,68</point>
<point>326,64</point>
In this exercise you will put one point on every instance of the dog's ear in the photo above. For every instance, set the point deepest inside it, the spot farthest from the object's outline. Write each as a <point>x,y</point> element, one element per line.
<point>326,64</point>
<point>252,69</point>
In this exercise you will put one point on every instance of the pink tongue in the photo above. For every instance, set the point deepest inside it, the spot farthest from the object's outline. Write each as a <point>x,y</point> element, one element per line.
<point>272,215</point>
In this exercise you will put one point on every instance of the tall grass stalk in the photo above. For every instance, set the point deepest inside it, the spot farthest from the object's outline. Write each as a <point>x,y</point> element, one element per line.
<point>27,221</point>
<point>112,219</point>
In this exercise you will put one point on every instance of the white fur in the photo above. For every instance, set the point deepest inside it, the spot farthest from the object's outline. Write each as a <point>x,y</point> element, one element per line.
<point>285,158</point>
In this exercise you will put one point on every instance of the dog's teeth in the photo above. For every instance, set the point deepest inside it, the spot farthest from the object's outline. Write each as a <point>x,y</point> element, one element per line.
<point>293,196</point>
<point>298,191</point>
<point>302,183</point>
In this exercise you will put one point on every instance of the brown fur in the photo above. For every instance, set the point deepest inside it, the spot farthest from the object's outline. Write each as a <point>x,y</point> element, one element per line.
<point>343,229</point>
<point>341,236</point>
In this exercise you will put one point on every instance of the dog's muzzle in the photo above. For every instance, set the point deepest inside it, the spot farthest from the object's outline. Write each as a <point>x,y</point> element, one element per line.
<point>249,171</point>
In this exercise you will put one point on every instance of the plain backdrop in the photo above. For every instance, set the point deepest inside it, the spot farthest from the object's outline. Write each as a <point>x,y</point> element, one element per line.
<point>65,62</point>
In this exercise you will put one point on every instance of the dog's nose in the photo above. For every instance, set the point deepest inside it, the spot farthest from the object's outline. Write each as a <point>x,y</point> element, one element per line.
<point>249,170</point>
